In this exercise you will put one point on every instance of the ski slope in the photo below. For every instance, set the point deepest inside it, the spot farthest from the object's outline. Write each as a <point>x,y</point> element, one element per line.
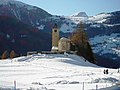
<point>54,72</point>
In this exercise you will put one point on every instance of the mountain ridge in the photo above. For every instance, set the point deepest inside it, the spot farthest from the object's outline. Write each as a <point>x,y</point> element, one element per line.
<point>20,37</point>
<point>80,14</point>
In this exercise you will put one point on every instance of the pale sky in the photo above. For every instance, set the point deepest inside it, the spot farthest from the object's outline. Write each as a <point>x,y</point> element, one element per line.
<point>69,7</point>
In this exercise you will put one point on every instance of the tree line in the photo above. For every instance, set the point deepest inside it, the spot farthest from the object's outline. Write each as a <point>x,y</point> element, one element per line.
<point>10,55</point>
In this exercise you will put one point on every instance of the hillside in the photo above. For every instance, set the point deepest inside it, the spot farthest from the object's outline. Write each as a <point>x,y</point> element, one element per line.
<point>103,31</point>
<point>17,36</point>
<point>54,72</point>
<point>24,12</point>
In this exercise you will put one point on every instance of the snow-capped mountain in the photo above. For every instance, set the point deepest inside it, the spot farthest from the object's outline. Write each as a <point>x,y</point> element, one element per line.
<point>80,14</point>
<point>28,14</point>
<point>103,31</point>
<point>103,21</point>
<point>103,25</point>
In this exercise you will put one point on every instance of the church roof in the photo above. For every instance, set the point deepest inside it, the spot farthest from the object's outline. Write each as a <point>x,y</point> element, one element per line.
<point>64,39</point>
<point>55,25</point>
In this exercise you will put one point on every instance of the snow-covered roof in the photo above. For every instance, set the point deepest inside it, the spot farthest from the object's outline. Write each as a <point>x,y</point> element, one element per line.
<point>54,48</point>
<point>64,39</point>
<point>80,14</point>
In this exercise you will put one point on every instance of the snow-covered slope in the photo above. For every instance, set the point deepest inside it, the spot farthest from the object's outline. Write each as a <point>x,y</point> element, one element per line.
<point>6,2</point>
<point>104,32</point>
<point>28,14</point>
<point>17,3</point>
<point>103,29</point>
<point>107,44</point>
<point>100,18</point>
<point>54,72</point>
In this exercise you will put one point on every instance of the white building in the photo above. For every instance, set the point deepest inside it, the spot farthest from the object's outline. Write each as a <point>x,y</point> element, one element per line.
<point>64,44</point>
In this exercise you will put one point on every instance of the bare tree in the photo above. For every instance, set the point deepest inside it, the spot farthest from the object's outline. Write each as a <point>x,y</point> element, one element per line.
<point>4,55</point>
<point>80,40</point>
<point>12,54</point>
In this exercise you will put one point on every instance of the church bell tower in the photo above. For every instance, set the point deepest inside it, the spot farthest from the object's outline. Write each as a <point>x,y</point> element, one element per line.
<point>55,35</point>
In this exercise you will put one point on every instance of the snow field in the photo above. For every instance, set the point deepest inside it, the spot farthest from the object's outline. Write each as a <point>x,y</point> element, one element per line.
<point>54,72</point>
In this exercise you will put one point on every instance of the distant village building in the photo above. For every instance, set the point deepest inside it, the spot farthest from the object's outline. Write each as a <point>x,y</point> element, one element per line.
<point>59,44</point>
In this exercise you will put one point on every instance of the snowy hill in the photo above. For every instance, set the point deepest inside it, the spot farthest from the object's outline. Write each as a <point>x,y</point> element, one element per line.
<point>54,72</point>
<point>107,45</point>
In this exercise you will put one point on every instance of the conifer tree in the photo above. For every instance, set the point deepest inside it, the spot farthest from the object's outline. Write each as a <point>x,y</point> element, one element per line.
<point>89,54</point>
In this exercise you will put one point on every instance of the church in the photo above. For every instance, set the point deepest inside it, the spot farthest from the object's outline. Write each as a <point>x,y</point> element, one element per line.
<point>59,44</point>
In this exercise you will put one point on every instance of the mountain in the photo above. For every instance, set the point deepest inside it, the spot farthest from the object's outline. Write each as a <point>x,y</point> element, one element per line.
<point>104,33</point>
<point>103,23</point>
<point>21,25</point>
<point>103,29</point>
<point>80,14</point>
<point>30,15</point>
<point>20,37</point>
<point>21,10</point>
